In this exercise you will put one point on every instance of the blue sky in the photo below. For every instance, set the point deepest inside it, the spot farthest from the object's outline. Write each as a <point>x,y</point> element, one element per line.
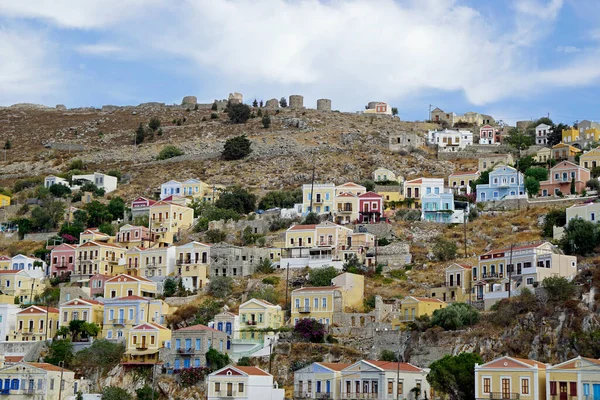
<point>513,59</point>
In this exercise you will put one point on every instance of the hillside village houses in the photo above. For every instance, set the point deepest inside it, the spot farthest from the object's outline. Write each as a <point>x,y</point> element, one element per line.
<point>564,151</point>
<point>191,188</point>
<point>457,286</point>
<point>511,378</point>
<point>439,115</point>
<point>34,380</point>
<point>450,140</point>
<point>583,135</point>
<point>378,107</point>
<point>589,211</point>
<point>590,159</point>
<point>488,135</point>
<point>489,161</point>
<point>244,383</point>
<point>102,181</point>
<point>505,183</point>
<point>561,177</point>
<point>542,131</point>
<point>144,342</point>
<point>461,181</point>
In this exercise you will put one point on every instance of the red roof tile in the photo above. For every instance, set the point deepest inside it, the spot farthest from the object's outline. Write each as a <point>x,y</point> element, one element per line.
<point>198,327</point>
<point>335,366</point>
<point>303,227</point>
<point>394,366</point>
<point>38,310</point>
<point>46,366</point>
<point>317,288</point>
<point>252,371</point>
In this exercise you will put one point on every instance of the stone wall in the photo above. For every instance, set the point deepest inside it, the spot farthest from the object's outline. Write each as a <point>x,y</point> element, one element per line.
<point>394,255</point>
<point>39,237</point>
<point>258,226</point>
<point>180,301</point>
<point>323,105</point>
<point>474,152</point>
<point>379,230</point>
<point>29,350</point>
<point>536,202</point>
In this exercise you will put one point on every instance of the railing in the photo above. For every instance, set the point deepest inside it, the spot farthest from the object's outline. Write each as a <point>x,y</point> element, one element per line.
<point>185,351</point>
<point>62,265</point>
<point>118,321</point>
<point>491,275</point>
<point>406,318</point>
<point>141,347</point>
<point>353,396</point>
<point>152,266</point>
<point>250,322</point>
<point>188,262</point>
<point>504,396</point>
<point>303,310</point>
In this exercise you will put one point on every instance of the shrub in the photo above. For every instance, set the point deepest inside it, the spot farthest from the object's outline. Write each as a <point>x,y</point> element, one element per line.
<point>455,375</point>
<point>190,376</point>
<point>311,218</point>
<point>169,151</point>
<point>76,164</point>
<point>310,330</point>
<point>266,121</point>
<point>593,184</point>
<point>283,102</point>
<point>388,355</point>
<point>115,393</point>
<point>59,190</point>
<point>236,148</point>
<point>146,393</point>
<point>216,360</point>
<point>455,316</point>
<point>212,116</point>
<point>220,286</point>
<point>265,293</point>
<point>580,237</point>
<point>60,350</point>
<point>322,276</point>
<point>398,274</point>
<point>237,199</point>
<point>444,250</point>
<point>116,173</point>
<point>154,123</point>
<point>215,236</point>
<point>271,280</point>
<point>244,361</point>
<point>538,173</point>
<point>204,119</point>
<point>214,106</point>
<point>554,218</point>
<point>107,228</point>
<point>369,303</point>
<point>559,289</point>
<point>265,267</point>
<point>239,113</point>
<point>140,134</point>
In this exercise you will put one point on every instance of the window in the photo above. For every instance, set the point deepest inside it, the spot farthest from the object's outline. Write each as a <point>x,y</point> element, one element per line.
<point>217,386</point>
<point>198,344</point>
<point>487,383</point>
<point>51,384</point>
<point>324,302</point>
<point>573,388</point>
<point>530,281</point>
<point>131,313</point>
<point>390,387</point>
<point>316,301</point>
<point>525,386</point>
<point>400,387</point>
<point>592,216</point>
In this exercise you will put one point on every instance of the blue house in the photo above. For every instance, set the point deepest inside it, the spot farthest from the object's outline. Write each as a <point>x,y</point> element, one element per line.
<point>439,207</point>
<point>506,183</point>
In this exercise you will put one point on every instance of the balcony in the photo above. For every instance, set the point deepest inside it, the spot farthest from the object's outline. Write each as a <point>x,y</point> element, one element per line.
<point>4,391</point>
<point>188,262</point>
<point>344,210</point>
<point>185,352</point>
<point>491,275</point>
<point>141,347</point>
<point>27,331</point>
<point>355,396</point>
<point>118,321</point>
<point>251,323</point>
<point>328,244</point>
<point>62,265</point>
<point>303,310</point>
<point>504,396</point>
<point>152,266</point>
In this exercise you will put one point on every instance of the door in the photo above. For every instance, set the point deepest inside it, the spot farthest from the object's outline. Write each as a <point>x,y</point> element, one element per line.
<point>318,386</point>
<point>563,391</point>
<point>186,363</point>
<point>299,242</point>
<point>143,341</point>
<point>596,388</point>
<point>229,389</point>
<point>328,387</point>
<point>121,316</point>
<point>228,328</point>
<point>506,388</point>
<point>306,304</point>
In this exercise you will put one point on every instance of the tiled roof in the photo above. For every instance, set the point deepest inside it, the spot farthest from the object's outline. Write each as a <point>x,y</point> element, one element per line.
<point>394,366</point>
<point>530,362</point>
<point>371,194</point>
<point>128,278</point>
<point>428,300</point>
<point>303,227</point>
<point>13,359</point>
<point>464,173</point>
<point>46,366</point>
<point>198,327</point>
<point>88,301</point>
<point>252,371</point>
<point>10,271</point>
<point>465,266</point>
<point>316,288</point>
<point>335,366</point>
<point>149,325</point>
<point>415,181</point>
<point>4,258</point>
<point>131,298</point>
<point>38,309</point>
<point>350,184</point>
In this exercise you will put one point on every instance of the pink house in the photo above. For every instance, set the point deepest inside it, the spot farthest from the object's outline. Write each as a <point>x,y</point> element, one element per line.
<point>62,259</point>
<point>134,236</point>
<point>561,176</point>
<point>370,207</point>
<point>97,284</point>
<point>141,206</point>
<point>488,135</point>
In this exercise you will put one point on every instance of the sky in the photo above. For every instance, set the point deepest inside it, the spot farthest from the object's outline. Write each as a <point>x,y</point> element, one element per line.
<point>512,59</point>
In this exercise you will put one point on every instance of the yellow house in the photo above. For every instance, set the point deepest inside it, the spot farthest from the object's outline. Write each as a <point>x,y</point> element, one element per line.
<point>94,235</point>
<point>90,311</point>
<point>123,313</point>
<point>578,378</point>
<point>570,135</point>
<point>590,159</point>
<point>320,196</point>
<point>458,284</point>
<point>353,290</point>
<point>392,195</point>
<point>5,262</point>
<point>543,155</point>
<point>192,264</point>
<point>127,285</point>
<point>460,182</point>
<point>259,314</point>
<point>4,200</point>
<point>350,187</point>
<point>168,219</point>
<point>17,283</point>
<point>511,378</point>
<point>321,303</point>
<point>99,258</point>
<point>346,208</point>
<point>144,342</point>
<point>563,151</point>
<point>412,307</point>
<point>36,323</point>
<point>148,262</point>
<point>412,191</point>
<point>592,134</point>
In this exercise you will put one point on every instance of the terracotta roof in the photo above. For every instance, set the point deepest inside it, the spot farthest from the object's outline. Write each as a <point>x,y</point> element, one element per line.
<point>350,184</point>
<point>10,271</point>
<point>427,299</point>
<point>38,309</point>
<point>394,366</point>
<point>465,266</point>
<point>303,227</point>
<point>318,288</point>
<point>149,325</point>
<point>464,173</point>
<point>89,301</point>
<point>530,362</point>
<point>4,258</point>
<point>13,359</point>
<point>128,278</point>
<point>131,298</point>
<point>198,327</point>
<point>262,301</point>
<point>415,181</point>
<point>252,371</point>
<point>46,366</point>
<point>334,366</point>
<point>371,194</point>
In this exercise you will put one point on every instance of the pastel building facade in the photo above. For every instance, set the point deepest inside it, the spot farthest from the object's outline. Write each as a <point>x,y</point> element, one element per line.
<point>542,131</point>
<point>560,178</point>
<point>511,378</point>
<point>450,140</point>
<point>460,182</point>
<point>488,135</point>
<point>190,344</point>
<point>62,259</point>
<point>245,383</point>
<point>506,183</point>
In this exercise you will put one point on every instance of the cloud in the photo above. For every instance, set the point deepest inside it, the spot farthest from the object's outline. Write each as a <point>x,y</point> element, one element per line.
<point>100,49</point>
<point>567,49</point>
<point>28,69</point>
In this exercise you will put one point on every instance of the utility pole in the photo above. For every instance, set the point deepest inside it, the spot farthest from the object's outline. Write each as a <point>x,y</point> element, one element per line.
<point>270,353</point>
<point>153,369</point>
<point>510,268</point>
<point>61,364</point>
<point>312,186</point>
<point>47,313</point>
<point>287,285</point>
<point>398,367</point>
<point>465,229</point>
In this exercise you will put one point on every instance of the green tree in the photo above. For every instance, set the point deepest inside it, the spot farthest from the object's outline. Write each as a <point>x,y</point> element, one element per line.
<point>101,357</point>
<point>76,165</point>
<point>369,185</point>
<point>388,355</point>
<point>532,186</point>
<point>580,237</point>
<point>220,286</point>
<point>140,134</point>
<point>98,213</point>
<point>394,110</point>
<point>244,362</point>
<point>116,207</point>
<point>214,106</point>
<point>483,179</point>
<point>116,173</point>
<point>154,123</point>
<point>265,293</point>
<point>281,199</point>
<point>311,219</point>
<point>554,218</point>
<point>107,228</point>
<point>239,113</point>
<point>322,276</point>
<point>525,163</point>
<point>60,350</point>
<point>593,184</point>
<point>169,151</point>
<point>145,392</point>
<point>455,316</point>
<point>283,102</point>
<point>539,173</point>
<point>266,121</point>
<point>215,236</point>
<point>519,141</point>
<point>236,148</point>
<point>255,103</point>
<point>455,375</point>
<point>59,190</point>
<point>238,199</point>
<point>559,289</point>
<point>41,220</point>
<point>169,287</point>
<point>444,250</point>
<point>217,360</point>
<point>265,267</point>
<point>115,393</point>
<point>207,310</point>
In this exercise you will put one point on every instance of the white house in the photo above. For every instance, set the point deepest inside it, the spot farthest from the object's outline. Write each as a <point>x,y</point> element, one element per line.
<point>541,134</point>
<point>450,140</point>
<point>55,180</point>
<point>102,181</point>
<point>8,319</point>
<point>34,267</point>
<point>244,383</point>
